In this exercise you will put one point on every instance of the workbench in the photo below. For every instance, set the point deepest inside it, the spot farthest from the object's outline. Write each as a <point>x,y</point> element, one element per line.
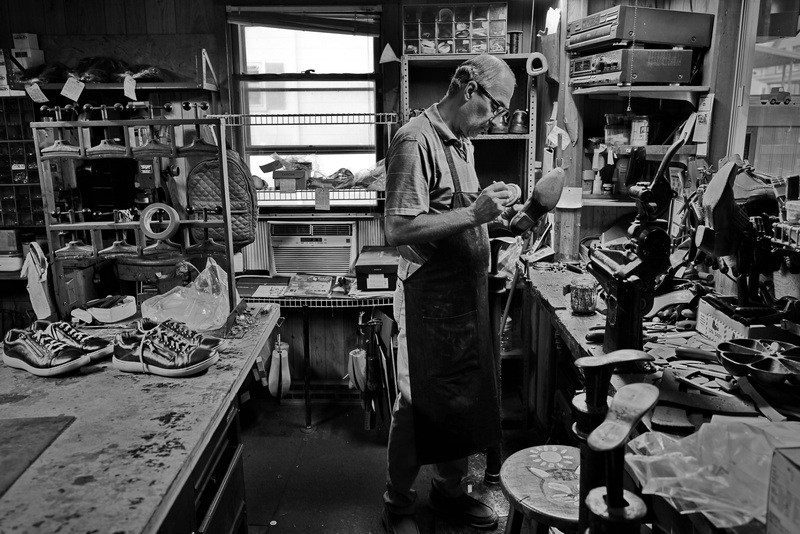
<point>134,452</point>
<point>557,340</point>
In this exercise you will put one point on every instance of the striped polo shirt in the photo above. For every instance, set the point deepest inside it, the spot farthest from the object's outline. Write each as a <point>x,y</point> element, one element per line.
<point>418,178</point>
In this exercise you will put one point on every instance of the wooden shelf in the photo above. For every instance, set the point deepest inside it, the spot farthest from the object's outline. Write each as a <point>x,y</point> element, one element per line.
<point>149,86</point>
<point>655,150</point>
<point>616,201</point>
<point>688,93</point>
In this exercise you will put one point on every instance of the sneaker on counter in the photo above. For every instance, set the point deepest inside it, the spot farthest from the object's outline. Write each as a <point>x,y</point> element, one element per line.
<point>179,328</point>
<point>464,510</point>
<point>94,347</point>
<point>40,354</point>
<point>160,352</point>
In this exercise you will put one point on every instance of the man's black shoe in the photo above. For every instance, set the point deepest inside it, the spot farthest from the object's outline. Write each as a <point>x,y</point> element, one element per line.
<point>399,523</point>
<point>464,509</point>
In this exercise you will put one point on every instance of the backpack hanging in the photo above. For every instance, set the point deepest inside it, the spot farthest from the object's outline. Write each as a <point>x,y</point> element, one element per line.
<point>203,190</point>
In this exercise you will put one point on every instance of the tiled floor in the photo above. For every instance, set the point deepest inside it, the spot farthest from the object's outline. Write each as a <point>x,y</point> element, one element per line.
<point>331,479</point>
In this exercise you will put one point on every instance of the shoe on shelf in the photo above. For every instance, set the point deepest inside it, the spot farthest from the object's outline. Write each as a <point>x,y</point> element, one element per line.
<point>399,523</point>
<point>180,329</point>
<point>92,346</point>
<point>464,509</point>
<point>39,354</point>
<point>160,352</point>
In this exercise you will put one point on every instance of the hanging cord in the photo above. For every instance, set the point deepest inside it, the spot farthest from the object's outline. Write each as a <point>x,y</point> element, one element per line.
<point>630,62</point>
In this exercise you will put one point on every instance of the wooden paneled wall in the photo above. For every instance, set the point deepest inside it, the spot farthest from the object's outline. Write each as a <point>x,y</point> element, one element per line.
<point>169,34</point>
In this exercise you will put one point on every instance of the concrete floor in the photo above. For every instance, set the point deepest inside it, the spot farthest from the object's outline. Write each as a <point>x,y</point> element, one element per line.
<point>331,479</point>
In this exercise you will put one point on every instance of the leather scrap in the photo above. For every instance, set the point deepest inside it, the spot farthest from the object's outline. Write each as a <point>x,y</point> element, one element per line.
<point>671,395</point>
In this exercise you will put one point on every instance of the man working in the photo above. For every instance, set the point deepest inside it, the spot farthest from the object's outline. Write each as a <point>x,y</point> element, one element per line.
<point>437,219</point>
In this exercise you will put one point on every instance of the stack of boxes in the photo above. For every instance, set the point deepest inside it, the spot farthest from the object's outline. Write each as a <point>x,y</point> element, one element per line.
<point>26,52</point>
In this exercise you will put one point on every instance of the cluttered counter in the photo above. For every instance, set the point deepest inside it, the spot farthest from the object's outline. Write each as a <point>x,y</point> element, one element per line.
<point>99,450</point>
<point>694,389</point>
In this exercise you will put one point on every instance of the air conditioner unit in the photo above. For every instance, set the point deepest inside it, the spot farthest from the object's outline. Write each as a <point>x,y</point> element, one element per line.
<point>328,247</point>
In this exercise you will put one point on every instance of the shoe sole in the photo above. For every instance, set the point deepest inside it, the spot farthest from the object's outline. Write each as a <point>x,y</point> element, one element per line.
<point>139,367</point>
<point>100,353</point>
<point>52,371</point>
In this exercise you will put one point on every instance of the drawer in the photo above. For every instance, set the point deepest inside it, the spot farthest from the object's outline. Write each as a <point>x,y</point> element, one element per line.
<point>225,512</point>
<point>226,433</point>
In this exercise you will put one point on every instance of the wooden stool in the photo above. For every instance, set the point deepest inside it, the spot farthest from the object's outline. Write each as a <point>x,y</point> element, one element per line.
<point>542,485</point>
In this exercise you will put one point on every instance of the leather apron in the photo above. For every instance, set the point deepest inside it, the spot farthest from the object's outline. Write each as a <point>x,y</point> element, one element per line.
<point>450,346</point>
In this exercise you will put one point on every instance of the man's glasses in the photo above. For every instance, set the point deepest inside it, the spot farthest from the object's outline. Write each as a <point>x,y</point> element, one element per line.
<point>498,109</point>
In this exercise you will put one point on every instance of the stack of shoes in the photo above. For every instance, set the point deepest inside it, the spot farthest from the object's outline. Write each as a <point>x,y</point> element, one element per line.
<point>92,346</point>
<point>39,353</point>
<point>166,349</point>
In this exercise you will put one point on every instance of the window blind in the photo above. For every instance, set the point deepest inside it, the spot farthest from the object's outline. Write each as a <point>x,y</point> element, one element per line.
<point>351,20</point>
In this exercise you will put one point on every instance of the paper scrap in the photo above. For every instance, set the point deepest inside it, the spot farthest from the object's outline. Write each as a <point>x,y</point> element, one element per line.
<point>268,291</point>
<point>129,87</point>
<point>571,198</point>
<point>72,89</point>
<point>36,93</point>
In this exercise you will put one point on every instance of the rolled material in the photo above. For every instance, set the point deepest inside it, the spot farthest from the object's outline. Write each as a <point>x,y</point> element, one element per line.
<point>536,64</point>
<point>172,220</point>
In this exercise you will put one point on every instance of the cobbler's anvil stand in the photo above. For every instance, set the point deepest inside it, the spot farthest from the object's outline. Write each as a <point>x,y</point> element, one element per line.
<point>589,409</point>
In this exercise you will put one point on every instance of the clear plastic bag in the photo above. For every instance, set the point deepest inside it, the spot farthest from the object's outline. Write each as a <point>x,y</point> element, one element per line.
<point>722,470</point>
<point>202,305</point>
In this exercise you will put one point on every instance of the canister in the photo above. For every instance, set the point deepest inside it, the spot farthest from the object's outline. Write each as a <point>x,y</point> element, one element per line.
<point>640,130</point>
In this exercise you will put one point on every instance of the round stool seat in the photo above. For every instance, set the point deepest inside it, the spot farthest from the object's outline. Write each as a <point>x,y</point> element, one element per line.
<point>542,483</point>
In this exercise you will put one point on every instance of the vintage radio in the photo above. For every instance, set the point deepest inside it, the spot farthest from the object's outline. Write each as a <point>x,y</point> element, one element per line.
<point>652,26</point>
<point>631,66</point>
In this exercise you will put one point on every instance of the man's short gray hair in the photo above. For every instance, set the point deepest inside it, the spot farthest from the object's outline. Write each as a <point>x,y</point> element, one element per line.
<point>483,68</point>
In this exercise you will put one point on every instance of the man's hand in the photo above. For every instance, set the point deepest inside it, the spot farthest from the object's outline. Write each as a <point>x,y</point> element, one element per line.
<point>491,202</point>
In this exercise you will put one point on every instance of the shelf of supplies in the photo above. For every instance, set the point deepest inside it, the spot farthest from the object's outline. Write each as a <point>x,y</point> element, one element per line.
<point>144,86</point>
<point>615,201</point>
<point>308,119</point>
<point>689,93</point>
<point>655,150</point>
<point>495,137</point>
<point>322,302</point>
<point>445,60</point>
<point>308,197</point>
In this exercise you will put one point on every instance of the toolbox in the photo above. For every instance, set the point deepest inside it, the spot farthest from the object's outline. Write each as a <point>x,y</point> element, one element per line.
<point>376,269</point>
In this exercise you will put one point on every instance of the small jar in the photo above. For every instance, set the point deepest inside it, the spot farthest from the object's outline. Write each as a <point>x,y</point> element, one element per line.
<point>583,295</point>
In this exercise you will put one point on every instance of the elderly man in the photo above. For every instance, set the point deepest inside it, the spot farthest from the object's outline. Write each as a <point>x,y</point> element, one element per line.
<point>436,215</point>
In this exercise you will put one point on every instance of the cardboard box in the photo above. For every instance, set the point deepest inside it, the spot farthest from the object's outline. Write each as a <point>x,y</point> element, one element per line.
<point>26,40</point>
<point>28,57</point>
<point>290,180</point>
<point>376,269</point>
<point>783,502</point>
<point>715,324</point>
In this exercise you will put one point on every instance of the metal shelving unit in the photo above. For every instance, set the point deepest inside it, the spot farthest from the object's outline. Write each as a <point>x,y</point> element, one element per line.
<point>131,141</point>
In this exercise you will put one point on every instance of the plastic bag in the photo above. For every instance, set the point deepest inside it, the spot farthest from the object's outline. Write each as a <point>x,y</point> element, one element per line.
<point>202,305</point>
<point>722,470</point>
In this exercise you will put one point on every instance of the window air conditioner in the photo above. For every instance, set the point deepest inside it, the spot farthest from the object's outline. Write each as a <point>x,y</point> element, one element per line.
<point>311,247</point>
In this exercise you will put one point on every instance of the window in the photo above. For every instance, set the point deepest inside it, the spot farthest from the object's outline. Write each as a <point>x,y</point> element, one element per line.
<point>293,71</point>
<point>772,136</point>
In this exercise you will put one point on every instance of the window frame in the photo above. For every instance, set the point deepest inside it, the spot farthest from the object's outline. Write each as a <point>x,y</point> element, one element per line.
<point>239,95</point>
